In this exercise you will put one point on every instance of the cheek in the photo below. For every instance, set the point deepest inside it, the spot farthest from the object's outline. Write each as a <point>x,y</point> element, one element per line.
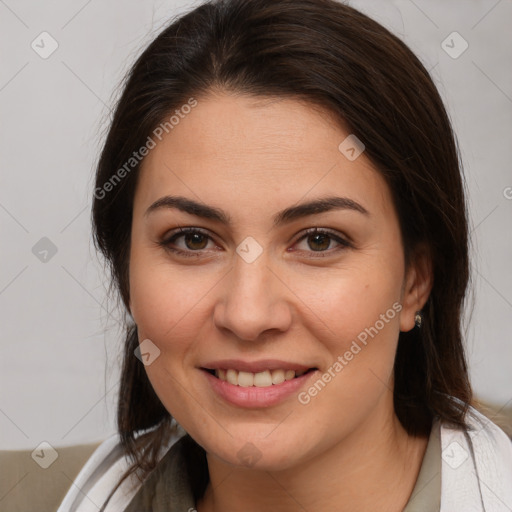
<point>165,300</point>
<point>357,323</point>
<point>168,306</point>
<point>356,304</point>
<point>356,319</point>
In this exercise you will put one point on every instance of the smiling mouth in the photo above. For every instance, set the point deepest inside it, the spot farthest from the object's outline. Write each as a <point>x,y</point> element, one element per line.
<point>262,379</point>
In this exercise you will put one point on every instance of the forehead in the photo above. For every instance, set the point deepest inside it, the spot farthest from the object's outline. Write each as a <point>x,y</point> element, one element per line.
<point>232,150</point>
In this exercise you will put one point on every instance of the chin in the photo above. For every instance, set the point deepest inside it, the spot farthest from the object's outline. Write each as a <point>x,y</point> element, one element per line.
<point>260,453</point>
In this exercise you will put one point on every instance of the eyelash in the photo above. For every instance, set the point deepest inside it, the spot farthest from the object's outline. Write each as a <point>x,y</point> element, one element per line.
<point>166,243</point>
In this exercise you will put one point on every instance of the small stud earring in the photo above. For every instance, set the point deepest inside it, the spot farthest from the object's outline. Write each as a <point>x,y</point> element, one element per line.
<point>418,319</point>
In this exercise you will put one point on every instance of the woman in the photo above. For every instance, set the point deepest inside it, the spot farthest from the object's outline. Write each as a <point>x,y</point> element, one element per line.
<point>280,201</point>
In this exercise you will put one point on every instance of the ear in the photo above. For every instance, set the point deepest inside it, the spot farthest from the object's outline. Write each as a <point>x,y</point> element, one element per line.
<point>418,283</point>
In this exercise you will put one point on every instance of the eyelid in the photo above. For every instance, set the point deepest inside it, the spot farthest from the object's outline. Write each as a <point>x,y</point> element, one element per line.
<point>188,229</point>
<point>329,231</point>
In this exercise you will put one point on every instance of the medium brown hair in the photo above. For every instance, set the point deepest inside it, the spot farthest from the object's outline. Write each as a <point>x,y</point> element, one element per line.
<point>328,54</point>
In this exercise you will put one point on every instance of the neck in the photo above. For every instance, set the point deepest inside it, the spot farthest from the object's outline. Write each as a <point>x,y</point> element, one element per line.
<point>374,467</point>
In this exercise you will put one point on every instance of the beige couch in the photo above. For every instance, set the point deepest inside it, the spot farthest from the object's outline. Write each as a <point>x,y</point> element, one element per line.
<point>26,487</point>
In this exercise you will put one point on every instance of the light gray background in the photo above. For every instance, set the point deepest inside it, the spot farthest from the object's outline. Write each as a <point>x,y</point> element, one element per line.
<point>59,337</point>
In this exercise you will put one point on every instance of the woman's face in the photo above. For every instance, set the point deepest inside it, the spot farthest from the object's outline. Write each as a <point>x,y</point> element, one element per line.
<point>251,291</point>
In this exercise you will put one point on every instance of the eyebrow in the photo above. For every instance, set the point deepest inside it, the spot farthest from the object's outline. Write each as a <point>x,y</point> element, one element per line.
<point>283,217</point>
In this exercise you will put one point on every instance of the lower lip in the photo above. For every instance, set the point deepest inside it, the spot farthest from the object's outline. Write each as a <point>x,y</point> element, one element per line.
<point>254,396</point>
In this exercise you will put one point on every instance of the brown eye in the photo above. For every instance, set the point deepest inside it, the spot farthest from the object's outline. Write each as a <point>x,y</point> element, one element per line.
<point>195,241</point>
<point>322,241</point>
<point>319,241</point>
<point>188,242</point>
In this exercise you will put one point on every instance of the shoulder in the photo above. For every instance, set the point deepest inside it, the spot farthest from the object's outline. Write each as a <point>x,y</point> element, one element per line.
<point>487,439</point>
<point>476,465</point>
<point>99,477</point>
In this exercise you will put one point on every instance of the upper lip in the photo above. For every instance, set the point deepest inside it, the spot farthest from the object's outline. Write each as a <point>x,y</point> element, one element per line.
<point>254,366</point>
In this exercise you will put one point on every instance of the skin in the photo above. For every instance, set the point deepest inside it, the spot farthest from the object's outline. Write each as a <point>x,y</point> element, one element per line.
<point>253,157</point>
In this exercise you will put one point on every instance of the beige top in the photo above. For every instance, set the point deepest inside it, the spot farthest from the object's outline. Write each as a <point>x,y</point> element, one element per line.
<point>475,472</point>
<point>182,475</point>
<point>426,495</point>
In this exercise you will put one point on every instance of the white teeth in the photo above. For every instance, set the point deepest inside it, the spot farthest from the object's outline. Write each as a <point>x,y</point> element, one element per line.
<point>289,374</point>
<point>231,377</point>
<point>245,379</point>
<point>277,376</point>
<point>262,379</point>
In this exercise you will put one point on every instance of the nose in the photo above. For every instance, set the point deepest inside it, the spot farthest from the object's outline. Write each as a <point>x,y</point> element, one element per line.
<point>253,301</point>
